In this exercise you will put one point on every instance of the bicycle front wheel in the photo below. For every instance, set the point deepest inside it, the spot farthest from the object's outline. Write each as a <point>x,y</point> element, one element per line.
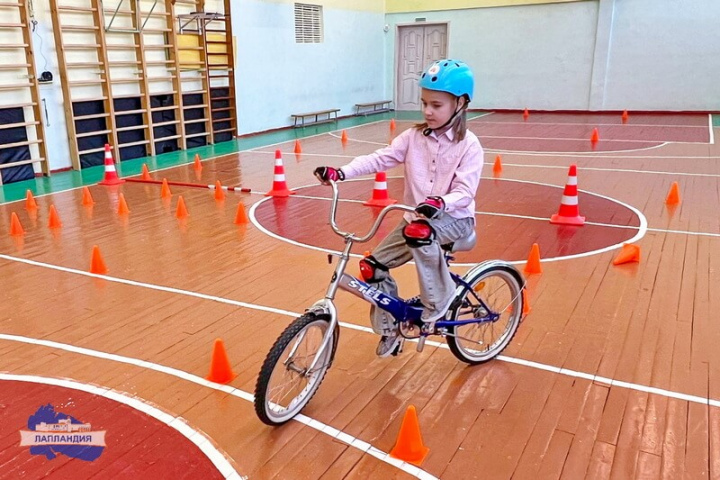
<point>496,289</point>
<point>285,384</point>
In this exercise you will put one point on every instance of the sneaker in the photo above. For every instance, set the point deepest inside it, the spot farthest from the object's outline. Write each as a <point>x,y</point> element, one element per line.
<point>389,345</point>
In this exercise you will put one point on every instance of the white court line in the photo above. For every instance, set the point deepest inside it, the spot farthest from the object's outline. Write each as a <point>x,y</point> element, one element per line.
<point>570,139</point>
<point>579,154</point>
<point>613,170</point>
<point>305,420</point>
<point>629,124</point>
<point>640,233</point>
<point>218,458</point>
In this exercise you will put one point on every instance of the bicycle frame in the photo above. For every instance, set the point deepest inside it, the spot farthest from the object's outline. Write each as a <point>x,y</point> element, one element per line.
<point>398,308</point>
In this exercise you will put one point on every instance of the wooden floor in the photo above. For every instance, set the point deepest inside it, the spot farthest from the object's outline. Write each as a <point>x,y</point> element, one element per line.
<point>615,373</point>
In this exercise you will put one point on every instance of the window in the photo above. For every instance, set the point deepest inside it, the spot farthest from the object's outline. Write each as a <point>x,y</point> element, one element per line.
<point>308,23</point>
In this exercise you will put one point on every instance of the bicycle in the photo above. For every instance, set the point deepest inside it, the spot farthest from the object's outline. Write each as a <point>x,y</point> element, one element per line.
<point>305,350</point>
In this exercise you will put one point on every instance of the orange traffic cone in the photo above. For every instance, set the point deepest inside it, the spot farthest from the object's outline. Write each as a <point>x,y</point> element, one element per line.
<point>30,203</point>
<point>595,136</point>
<point>624,116</point>
<point>87,199</point>
<point>165,189</point>
<point>111,176</point>
<point>279,186</point>
<point>409,446</point>
<point>97,264</point>
<point>220,368</point>
<point>569,212</point>
<point>344,138</point>
<point>123,206</point>
<point>54,218</point>
<point>526,303</point>
<point>145,173</point>
<point>16,228</point>
<point>392,125</point>
<point>240,215</point>
<point>181,211</point>
<point>673,196</point>
<point>526,114</point>
<point>629,253</point>
<point>497,168</point>
<point>380,197</point>
<point>533,262</point>
<point>219,192</point>
<point>196,164</point>
<point>298,148</point>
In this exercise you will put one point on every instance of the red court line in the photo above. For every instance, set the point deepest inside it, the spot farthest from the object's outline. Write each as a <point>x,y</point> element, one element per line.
<point>609,118</point>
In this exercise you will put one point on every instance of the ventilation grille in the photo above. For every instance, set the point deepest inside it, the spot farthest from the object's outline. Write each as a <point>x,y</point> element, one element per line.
<point>308,23</point>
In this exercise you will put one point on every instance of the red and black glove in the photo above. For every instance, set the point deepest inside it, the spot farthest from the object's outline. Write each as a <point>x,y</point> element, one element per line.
<point>326,174</point>
<point>431,207</point>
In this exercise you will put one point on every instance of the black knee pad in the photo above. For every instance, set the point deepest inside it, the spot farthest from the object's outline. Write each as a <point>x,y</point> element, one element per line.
<point>418,233</point>
<point>372,271</point>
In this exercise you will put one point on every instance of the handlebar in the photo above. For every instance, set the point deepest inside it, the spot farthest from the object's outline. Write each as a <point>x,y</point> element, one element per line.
<point>373,229</point>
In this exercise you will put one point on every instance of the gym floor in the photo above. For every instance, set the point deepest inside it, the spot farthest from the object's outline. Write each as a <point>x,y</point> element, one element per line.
<point>611,375</point>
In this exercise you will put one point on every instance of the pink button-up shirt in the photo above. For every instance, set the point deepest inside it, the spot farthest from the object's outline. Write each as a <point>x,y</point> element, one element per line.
<point>434,166</point>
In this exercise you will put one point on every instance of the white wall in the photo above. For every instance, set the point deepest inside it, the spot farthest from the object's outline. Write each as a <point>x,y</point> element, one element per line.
<point>587,55</point>
<point>276,77</point>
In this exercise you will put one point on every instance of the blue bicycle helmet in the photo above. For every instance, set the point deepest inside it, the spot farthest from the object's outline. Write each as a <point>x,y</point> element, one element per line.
<point>451,76</point>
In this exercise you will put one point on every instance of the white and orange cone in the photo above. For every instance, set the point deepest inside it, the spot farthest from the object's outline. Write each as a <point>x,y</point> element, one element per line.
<point>380,197</point>
<point>569,213</point>
<point>111,176</point>
<point>279,187</point>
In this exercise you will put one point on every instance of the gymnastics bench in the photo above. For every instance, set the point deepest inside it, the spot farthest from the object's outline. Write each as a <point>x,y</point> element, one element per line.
<point>377,107</point>
<point>329,114</point>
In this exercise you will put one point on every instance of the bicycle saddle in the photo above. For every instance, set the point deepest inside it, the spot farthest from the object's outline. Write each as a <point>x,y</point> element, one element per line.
<point>462,245</point>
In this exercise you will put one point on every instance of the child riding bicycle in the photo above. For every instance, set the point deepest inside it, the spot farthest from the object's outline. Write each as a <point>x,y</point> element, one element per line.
<point>442,162</point>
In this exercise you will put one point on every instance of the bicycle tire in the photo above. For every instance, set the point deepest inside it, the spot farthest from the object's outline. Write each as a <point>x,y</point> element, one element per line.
<point>264,407</point>
<point>514,309</point>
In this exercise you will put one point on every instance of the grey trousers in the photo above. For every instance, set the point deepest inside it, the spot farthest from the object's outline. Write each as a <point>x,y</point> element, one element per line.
<point>436,284</point>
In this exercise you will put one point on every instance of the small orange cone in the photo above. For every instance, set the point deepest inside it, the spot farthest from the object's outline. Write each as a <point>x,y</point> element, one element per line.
<point>344,138</point>
<point>624,116</point>
<point>380,197</point>
<point>526,114</point>
<point>122,206</point>
<point>30,203</point>
<point>392,125</point>
<point>165,190</point>
<point>526,303</point>
<point>409,446</point>
<point>220,369</point>
<point>497,168</point>
<point>595,136</point>
<point>196,164</point>
<point>87,199</point>
<point>219,192</point>
<point>145,173</point>
<point>533,261</point>
<point>629,253</point>
<point>298,148</point>
<point>181,211</point>
<point>241,216</point>
<point>54,218</point>
<point>673,197</point>
<point>97,264</point>
<point>16,228</point>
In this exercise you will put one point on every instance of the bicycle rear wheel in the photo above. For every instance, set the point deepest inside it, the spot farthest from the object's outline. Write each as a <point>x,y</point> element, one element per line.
<point>285,385</point>
<point>499,286</point>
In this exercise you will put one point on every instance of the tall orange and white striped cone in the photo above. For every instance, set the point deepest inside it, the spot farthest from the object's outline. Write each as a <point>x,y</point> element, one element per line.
<point>111,176</point>
<point>569,213</point>
<point>279,187</point>
<point>380,197</point>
